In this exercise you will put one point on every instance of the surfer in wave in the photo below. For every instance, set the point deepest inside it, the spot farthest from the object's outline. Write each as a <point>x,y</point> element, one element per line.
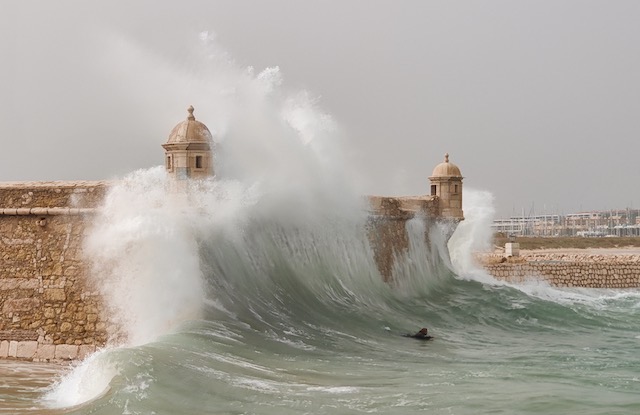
<point>423,334</point>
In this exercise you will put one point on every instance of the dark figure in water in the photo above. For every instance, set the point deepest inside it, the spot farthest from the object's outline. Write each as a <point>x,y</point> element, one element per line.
<point>421,335</point>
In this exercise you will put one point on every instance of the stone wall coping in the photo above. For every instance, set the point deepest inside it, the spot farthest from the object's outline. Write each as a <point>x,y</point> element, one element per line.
<point>56,184</point>
<point>489,259</point>
<point>606,274</point>
<point>401,206</point>
<point>32,350</point>
<point>45,211</point>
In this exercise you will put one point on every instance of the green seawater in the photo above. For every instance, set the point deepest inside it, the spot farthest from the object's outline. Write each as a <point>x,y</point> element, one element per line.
<point>298,321</point>
<point>497,349</point>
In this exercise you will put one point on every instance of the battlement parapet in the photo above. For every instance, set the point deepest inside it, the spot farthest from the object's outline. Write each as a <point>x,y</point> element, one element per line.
<point>57,195</point>
<point>404,207</point>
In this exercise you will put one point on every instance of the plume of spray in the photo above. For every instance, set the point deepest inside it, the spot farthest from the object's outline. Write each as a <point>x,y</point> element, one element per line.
<point>473,235</point>
<point>274,147</point>
<point>145,258</point>
<point>275,154</point>
<point>425,266</point>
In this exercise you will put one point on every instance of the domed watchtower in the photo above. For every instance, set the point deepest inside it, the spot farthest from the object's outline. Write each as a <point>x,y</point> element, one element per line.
<point>188,150</point>
<point>446,183</point>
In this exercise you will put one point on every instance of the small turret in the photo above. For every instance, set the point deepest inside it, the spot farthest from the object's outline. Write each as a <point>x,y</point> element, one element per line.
<point>446,183</point>
<point>188,150</point>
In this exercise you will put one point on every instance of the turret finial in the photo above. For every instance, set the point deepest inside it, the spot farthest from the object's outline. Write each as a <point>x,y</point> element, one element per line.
<point>190,109</point>
<point>446,157</point>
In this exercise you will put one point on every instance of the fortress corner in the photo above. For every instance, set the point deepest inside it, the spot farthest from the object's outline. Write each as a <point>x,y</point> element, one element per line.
<point>388,217</point>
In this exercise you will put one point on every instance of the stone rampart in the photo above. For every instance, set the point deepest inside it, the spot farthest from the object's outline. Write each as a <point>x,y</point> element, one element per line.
<point>76,194</point>
<point>563,270</point>
<point>49,311</point>
<point>387,226</point>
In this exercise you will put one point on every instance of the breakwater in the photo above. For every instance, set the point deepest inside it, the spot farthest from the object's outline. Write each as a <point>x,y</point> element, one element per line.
<point>387,226</point>
<point>567,270</point>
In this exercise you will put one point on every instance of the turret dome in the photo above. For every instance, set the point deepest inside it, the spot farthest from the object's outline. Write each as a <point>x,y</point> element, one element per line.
<point>446,184</point>
<point>446,169</point>
<point>188,150</point>
<point>190,131</point>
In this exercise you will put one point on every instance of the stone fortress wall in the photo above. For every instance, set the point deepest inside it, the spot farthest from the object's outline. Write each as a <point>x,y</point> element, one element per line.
<point>567,270</point>
<point>49,308</point>
<point>49,311</point>
<point>387,226</point>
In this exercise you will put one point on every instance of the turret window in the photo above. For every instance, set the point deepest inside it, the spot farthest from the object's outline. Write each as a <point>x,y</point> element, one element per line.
<point>169,163</point>
<point>434,189</point>
<point>198,162</point>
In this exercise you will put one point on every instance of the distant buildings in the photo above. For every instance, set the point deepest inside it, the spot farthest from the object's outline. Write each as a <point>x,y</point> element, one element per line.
<point>588,224</point>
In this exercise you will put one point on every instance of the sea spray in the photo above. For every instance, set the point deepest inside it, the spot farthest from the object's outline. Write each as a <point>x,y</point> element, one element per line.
<point>274,248</point>
<point>426,255</point>
<point>144,257</point>
<point>295,322</point>
<point>277,147</point>
<point>87,380</point>
<point>275,152</point>
<point>473,234</point>
<point>144,262</point>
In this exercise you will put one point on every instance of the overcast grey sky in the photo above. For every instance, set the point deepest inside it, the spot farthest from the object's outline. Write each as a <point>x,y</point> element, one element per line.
<point>536,101</point>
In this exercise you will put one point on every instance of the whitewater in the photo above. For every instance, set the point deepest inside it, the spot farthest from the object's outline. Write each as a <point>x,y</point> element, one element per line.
<point>256,293</point>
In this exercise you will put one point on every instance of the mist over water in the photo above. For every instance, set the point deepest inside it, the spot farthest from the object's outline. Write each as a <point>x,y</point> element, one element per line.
<point>474,233</point>
<point>279,176</point>
<point>256,292</point>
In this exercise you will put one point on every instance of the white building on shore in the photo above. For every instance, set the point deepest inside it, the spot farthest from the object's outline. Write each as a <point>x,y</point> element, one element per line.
<point>624,222</point>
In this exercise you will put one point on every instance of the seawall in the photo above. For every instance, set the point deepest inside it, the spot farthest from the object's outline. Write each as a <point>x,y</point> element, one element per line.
<point>387,227</point>
<point>567,270</point>
<point>49,310</point>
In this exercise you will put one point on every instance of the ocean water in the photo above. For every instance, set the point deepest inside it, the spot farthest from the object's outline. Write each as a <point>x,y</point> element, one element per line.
<point>276,314</point>
<point>256,292</point>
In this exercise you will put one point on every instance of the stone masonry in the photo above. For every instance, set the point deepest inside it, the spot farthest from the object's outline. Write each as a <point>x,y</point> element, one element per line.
<point>562,270</point>
<point>387,226</point>
<point>49,312</point>
<point>49,309</point>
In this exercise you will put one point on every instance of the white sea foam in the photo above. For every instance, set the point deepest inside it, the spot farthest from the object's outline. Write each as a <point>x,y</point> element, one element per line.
<point>143,246</point>
<point>85,381</point>
<point>473,235</point>
<point>273,147</point>
<point>333,389</point>
<point>597,298</point>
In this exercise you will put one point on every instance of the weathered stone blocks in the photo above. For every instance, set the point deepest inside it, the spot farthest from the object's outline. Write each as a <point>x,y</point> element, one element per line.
<point>54,294</point>
<point>44,289</point>
<point>85,350</point>
<point>571,271</point>
<point>66,352</point>
<point>13,348</point>
<point>45,353</point>
<point>26,350</point>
